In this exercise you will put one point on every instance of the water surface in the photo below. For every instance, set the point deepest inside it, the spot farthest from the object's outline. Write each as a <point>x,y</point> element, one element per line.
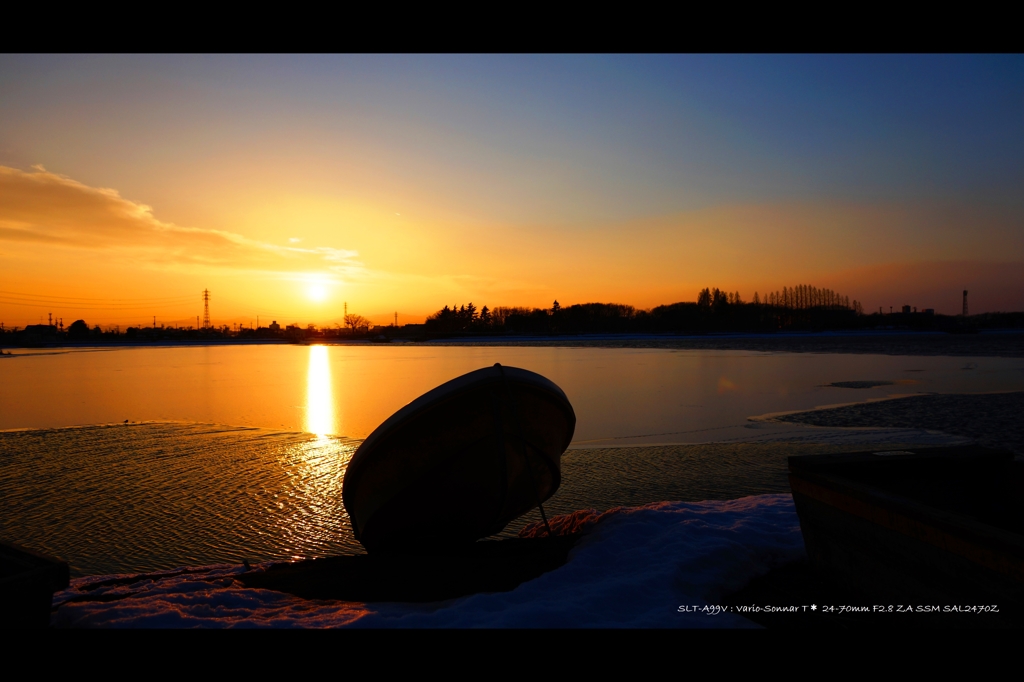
<point>620,395</point>
<point>238,452</point>
<point>142,497</point>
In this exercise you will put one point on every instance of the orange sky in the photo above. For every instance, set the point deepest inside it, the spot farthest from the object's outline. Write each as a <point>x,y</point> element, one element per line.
<point>288,186</point>
<point>89,252</point>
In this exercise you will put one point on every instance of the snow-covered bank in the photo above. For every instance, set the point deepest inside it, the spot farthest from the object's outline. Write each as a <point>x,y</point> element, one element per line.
<point>636,567</point>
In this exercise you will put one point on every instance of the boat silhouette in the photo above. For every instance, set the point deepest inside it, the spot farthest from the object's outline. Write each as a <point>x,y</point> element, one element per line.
<point>460,462</point>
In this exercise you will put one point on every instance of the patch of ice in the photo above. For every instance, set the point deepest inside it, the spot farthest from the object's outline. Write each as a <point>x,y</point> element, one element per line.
<point>634,567</point>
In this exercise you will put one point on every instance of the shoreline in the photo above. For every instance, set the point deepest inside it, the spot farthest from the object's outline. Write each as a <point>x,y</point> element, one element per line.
<point>994,343</point>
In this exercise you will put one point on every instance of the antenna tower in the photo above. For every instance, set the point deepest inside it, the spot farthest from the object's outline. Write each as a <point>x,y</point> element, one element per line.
<point>965,303</point>
<point>206,308</point>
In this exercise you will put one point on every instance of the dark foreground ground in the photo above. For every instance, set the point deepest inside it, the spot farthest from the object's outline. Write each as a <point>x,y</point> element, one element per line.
<point>818,603</point>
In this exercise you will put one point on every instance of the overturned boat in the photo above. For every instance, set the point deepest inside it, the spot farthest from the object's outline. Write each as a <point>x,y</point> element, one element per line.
<point>460,462</point>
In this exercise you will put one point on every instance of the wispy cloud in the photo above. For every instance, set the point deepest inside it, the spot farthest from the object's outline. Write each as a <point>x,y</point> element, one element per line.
<point>52,210</point>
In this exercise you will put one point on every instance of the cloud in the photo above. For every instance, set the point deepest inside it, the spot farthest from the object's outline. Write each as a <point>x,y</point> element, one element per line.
<point>333,255</point>
<point>51,210</point>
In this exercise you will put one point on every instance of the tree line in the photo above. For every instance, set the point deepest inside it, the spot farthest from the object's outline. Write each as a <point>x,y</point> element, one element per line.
<point>799,307</point>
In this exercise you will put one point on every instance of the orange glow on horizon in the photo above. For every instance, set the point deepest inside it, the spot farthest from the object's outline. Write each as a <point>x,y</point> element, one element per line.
<point>82,252</point>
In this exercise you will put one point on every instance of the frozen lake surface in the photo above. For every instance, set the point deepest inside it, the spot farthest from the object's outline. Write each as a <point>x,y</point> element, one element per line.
<point>621,395</point>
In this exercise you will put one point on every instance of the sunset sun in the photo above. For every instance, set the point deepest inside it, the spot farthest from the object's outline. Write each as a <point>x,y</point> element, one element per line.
<point>317,292</point>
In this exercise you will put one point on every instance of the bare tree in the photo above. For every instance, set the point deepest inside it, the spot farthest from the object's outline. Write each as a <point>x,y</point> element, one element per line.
<point>357,322</point>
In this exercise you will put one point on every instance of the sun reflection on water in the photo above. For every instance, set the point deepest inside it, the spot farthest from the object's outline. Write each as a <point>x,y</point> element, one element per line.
<point>312,517</point>
<point>320,415</point>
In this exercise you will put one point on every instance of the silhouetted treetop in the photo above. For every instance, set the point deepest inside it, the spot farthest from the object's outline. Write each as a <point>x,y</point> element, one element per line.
<point>78,329</point>
<point>357,322</point>
<point>801,306</point>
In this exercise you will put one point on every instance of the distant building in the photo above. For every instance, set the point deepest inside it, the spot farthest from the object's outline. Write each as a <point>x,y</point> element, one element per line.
<point>40,333</point>
<point>274,326</point>
<point>928,311</point>
<point>906,310</point>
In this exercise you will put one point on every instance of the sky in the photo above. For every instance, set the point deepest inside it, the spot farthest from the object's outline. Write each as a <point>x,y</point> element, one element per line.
<point>291,185</point>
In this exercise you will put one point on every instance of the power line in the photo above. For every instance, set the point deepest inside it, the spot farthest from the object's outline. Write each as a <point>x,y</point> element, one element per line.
<point>157,299</point>
<point>85,306</point>
<point>251,310</point>
<point>89,304</point>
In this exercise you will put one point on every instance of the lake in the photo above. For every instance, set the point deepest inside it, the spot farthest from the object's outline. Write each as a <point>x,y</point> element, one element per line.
<point>238,452</point>
<point>620,395</point>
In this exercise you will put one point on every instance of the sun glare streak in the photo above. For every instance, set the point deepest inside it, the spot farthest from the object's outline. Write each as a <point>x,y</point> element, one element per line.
<point>320,417</point>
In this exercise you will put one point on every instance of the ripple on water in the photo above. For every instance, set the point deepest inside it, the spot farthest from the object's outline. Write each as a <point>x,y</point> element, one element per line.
<point>132,498</point>
<point>142,497</point>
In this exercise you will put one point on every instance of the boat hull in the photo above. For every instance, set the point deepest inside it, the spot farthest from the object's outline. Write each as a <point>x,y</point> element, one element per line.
<point>460,462</point>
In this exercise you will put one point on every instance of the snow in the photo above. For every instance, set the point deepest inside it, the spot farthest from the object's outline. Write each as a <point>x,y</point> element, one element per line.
<point>652,566</point>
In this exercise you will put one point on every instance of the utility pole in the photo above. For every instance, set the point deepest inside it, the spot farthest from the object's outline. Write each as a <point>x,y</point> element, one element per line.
<point>50,323</point>
<point>965,304</point>
<point>206,308</point>
<point>396,318</point>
